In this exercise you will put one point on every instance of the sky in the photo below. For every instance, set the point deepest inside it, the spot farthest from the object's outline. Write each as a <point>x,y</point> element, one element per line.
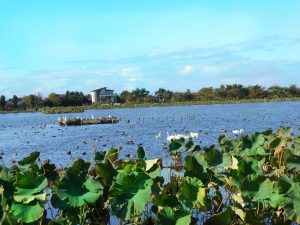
<point>58,45</point>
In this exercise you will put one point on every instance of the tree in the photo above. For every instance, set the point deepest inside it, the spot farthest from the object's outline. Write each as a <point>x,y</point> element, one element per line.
<point>139,94</point>
<point>15,101</point>
<point>206,93</point>
<point>256,91</point>
<point>54,99</point>
<point>163,95</point>
<point>2,102</point>
<point>293,91</point>
<point>73,98</point>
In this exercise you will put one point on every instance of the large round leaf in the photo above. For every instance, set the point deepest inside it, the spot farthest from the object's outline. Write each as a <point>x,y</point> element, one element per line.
<point>78,193</point>
<point>192,193</point>
<point>223,218</point>
<point>130,192</point>
<point>27,213</point>
<point>170,217</point>
<point>292,207</point>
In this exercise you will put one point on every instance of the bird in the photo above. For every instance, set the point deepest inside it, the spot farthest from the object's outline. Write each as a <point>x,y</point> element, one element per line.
<point>158,135</point>
<point>236,132</point>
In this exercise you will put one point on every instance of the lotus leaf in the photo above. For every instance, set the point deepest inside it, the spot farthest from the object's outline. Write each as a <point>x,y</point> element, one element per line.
<point>193,193</point>
<point>80,192</point>
<point>171,217</point>
<point>212,156</point>
<point>223,218</point>
<point>112,155</point>
<point>176,146</point>
<point>141,153</point>
<point>292,208</point>
<point>106,171</point>
<point>251,184</point>
<point>29,159</point>
<point>99,155</point>
<point>130,193</point>
<point>30,183</point>
<point>27,213</point>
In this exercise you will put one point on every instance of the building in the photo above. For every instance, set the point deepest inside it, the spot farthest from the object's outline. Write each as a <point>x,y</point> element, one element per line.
<point>103,96</point>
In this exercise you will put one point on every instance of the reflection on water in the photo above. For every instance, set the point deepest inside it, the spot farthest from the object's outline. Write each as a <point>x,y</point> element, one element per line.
<point>23,133</point>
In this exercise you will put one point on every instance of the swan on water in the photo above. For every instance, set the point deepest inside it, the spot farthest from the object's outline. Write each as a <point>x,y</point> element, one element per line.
<point>235,131</point>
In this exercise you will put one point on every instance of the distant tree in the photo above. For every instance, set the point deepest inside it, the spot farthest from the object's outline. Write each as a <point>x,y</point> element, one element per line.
<point>32,101</point>
<point>206,94</point>
<point>276,92</point>
<point>188,95</point>
<point>163,95</point>
<point>54,99</point>
<point>256,91</point>
<point>293,91</point>
<point>2,102</point>
<point>126,97</point>
<point>139,94</point>
<point>221,92</point>
<point>15,101</point>
<point>73,98</point>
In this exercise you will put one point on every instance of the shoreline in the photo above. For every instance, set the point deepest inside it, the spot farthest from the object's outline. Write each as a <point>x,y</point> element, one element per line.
<point>78,109</point>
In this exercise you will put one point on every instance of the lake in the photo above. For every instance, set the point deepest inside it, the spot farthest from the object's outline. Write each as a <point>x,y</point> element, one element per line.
<point>23,133</point>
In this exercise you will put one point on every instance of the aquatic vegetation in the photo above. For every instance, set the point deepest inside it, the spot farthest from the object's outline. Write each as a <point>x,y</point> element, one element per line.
<point>249,179</point>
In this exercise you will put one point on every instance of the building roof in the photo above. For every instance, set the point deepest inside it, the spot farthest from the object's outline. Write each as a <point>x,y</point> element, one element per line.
<point>101,89</point>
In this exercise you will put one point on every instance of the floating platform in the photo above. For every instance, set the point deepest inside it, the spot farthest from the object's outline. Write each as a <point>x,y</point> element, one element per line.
<point>63,121</point>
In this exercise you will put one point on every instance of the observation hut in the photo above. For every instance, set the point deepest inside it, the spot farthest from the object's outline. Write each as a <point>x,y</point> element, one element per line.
<point>103,96</point>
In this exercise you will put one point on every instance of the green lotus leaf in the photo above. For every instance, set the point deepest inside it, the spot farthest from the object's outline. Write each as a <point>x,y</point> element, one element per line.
<point>79,193</point>
<point>28,184</point>
<point>191,147</point>
<point>6,175</point>
<point>112,155</point>
<point>226,143</point>
<point>169,216</point>
<point>193,193</point>
<point>99,156</point>
<point>251,184</point>
<point>106,171</point>
<point>176,146</point>
<point>275,143</point>
<point>78,169</point>
<point>29,198</point>
<point>229,162</point>
<point>284,132</point>
<point>212,156</point>
<point>223,218</point>
<point>29,159</point>
<point>141,153</point>
<point>130,193</point>
<point>27,213</point>
<point>284,184</point>
<point>258,139</point>
<point>166,199</point>
<point>194,165</point>
<point>268,192</point>
<point>292,208</point>
<point>248,166</point>
<point>292,161</point>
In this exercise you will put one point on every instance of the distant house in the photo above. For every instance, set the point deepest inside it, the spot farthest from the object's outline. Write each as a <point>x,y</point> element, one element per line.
<point>103,96</point>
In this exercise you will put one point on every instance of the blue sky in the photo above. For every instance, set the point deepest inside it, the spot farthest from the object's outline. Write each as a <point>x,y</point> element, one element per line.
<point>59,45</point>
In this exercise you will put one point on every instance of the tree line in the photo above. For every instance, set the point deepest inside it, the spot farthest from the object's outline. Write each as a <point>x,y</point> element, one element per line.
<point>142,95</point>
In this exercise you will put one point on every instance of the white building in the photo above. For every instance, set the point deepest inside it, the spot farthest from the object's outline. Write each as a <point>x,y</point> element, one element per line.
<point>103,96</point>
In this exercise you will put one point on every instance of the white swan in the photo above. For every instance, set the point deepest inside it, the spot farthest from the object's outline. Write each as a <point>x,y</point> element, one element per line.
<point>235,131</point>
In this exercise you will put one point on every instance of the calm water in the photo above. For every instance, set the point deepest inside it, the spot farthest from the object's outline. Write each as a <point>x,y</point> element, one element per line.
<point>23,133</point>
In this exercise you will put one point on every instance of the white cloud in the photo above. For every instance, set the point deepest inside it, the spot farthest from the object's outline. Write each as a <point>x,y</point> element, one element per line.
<point>130,73</point>
<point>187,69</point>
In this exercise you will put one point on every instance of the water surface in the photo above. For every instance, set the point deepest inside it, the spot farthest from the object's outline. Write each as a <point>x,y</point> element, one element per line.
<point>23,133</point>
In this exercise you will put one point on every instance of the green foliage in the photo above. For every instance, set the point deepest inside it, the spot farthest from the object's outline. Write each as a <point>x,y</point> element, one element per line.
<point>252,179</point>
